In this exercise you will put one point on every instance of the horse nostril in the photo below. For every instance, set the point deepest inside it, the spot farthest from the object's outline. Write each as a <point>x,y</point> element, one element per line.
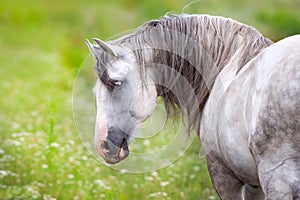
<point>104,145</point>
<point>124,145</point>
<point>116,136</point>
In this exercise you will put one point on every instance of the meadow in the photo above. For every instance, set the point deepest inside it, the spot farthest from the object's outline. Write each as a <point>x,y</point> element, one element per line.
<point>42,45</point>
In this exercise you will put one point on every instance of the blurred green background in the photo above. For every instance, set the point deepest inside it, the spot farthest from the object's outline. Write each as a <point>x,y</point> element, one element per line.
<point>42,45</point>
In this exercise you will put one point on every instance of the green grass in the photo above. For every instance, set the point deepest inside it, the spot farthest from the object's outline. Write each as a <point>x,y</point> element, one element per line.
<point>42,47</point>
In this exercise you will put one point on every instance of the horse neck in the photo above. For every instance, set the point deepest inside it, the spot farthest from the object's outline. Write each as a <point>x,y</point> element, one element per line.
<point>188,53</point>
<point>201,45</point>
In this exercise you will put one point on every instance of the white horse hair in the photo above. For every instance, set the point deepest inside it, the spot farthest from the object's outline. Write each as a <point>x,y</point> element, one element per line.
<point>239,91</point>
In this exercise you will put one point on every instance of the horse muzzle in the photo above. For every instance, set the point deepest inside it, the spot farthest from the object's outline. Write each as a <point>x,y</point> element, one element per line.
<point>115,147</point>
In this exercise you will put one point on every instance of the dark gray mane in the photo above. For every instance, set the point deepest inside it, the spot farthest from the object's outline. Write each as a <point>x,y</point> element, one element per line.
<point>196,47</point>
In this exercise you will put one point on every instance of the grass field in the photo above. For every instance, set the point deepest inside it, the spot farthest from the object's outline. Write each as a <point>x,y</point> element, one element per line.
<point>42,47</point>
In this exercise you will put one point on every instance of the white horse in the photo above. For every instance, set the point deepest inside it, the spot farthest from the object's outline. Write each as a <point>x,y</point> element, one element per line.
<point>239,91</point>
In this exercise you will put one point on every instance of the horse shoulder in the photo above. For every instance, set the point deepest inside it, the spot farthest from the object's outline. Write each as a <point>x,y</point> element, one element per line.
<point>230,113</point>
<point>275,136</point>
<point>224,125</point>
<point>278,90</point>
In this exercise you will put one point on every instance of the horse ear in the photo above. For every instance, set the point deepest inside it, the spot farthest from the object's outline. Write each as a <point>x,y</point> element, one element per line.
<point>93,49</point>
<point>106,47</point>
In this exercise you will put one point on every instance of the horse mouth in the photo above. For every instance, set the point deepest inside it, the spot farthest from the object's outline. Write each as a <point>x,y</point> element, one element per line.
<point>111,153</point>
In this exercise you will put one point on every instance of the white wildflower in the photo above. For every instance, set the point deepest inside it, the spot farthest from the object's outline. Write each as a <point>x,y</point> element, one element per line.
<point>44,166</point>
<point>182,194</point>
<point>84,158</point>
<point>71,159</point>
<point>33,191</point>
<point>1,151</point>
<point>16,143</point>
<point>7,158</point>
<point>123,171</point>
<point>48,197</point>
<point>15,125</point>
<point>192,176</point>
<point>13,174</point>
<point>71,142</point>
<point>164,183</point>
<point>158,194</point>
<point>99,182</point>
<point>147,142</point>
<point>97,169</point>
<point>154,173</point>
<point>149,178</point>
<point>70,176</point>
<point>55,145</point>
<point>3,173</point>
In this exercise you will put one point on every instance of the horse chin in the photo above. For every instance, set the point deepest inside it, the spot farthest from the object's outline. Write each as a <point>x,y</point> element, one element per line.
<point>116,158</point>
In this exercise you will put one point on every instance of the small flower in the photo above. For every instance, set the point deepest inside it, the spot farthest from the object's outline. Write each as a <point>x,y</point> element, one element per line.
<point>71,159</point>
<point>3,173</point>
<point>15,125</point>
<point>48,197</point>
<point>147,142</point>
<point>123,171</point>
<point>7,158</point>
<point>55,145</point>
<point>97,169</point>
<point>44,166</point>
<point>76,198</point>
<point>70,176</point>
<point>1,151</point>
<point>164,183</point>
<point>182,194</point>
<point>84,158</point>
<point>98,182</point>
<point>154,173</point>
<point>158,194</point>
<point>149,178</point>
<point>16,143</point>
<point>101,184</point>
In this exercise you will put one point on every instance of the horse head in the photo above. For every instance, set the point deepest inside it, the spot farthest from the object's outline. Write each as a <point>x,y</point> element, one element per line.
<point>125,98</point>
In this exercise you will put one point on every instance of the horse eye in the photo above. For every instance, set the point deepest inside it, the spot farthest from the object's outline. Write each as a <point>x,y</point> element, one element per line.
<point>117,83</point>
